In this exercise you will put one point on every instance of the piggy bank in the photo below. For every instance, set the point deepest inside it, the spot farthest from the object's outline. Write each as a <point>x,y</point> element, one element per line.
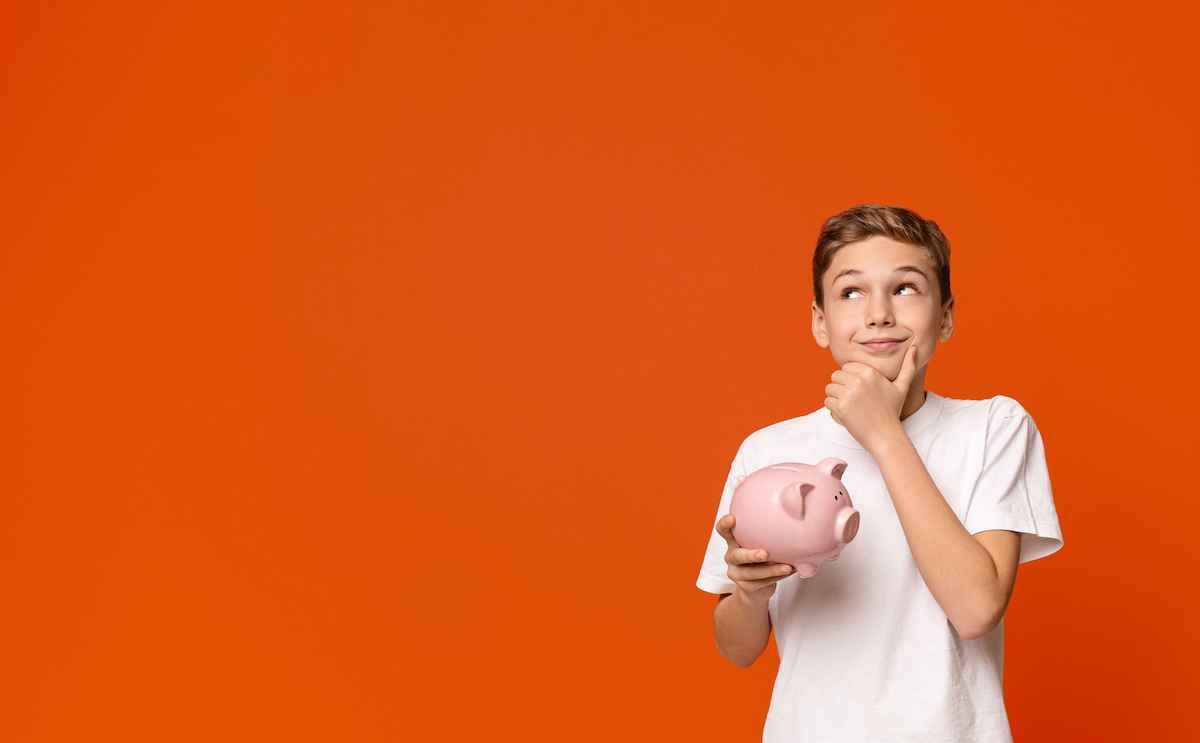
<point>800,514</point>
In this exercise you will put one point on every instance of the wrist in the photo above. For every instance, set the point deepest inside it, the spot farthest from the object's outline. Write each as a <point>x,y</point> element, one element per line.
<point>886,439</point>
<point>751,600</point>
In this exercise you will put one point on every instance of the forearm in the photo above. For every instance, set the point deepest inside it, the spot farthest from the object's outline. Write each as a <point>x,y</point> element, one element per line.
<point>742,627</point>
<point>959,571</point>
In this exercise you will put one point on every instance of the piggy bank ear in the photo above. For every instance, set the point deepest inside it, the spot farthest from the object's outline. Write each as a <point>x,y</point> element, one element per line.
<point>832,466</point>
<point>792,498</point>
<point>740,478</point>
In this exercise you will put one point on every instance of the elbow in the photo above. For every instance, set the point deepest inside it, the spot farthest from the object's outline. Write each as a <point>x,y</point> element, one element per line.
<point>976,624</point>
<point>739,659</point>
<point>974,631</point>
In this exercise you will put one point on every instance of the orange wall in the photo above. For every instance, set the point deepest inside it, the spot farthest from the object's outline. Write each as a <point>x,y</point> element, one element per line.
<point>372,371</point>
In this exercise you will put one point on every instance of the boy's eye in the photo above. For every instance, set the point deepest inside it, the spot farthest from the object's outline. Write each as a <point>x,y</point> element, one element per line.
<point>909,287</point>
<point>850,293</point>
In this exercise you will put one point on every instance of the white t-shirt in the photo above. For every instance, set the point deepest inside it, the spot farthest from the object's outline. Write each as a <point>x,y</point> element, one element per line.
<point>865,652</point>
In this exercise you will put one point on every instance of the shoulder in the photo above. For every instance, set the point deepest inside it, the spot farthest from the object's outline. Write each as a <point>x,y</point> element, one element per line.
<point>787,430</point>
<point>992,411</point>
<point>781,439</point>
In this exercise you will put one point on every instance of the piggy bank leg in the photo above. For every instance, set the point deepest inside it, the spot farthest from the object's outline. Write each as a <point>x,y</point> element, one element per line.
<point>806,570</point>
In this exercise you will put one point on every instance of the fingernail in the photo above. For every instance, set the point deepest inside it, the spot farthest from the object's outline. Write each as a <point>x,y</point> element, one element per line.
<point>761,556</point>
<point>786,569</point>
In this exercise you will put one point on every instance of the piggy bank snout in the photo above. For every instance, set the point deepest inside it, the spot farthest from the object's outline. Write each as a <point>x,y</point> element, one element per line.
<point>847,525</point>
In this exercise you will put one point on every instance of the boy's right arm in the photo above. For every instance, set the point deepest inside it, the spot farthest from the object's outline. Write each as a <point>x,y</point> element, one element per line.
<point>740,621</point>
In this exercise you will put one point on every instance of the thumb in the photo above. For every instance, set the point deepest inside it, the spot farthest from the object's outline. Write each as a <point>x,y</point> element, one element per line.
<point>908,368</point>
<point>725,529</point>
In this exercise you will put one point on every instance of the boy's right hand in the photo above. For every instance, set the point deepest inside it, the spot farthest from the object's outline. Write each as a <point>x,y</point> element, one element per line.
<point>748,568</point>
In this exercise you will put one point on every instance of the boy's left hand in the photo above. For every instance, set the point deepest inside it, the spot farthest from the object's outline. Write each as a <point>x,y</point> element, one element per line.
<point>866,402</point>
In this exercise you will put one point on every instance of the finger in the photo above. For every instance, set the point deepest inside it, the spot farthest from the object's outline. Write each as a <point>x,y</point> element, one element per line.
<point>842,377</point>
<point>830,403</point>
<point>725,529</point>
<point>833,390</point>
<point>742,556</point>
<point>908,367</point>
<point>759,573</point>
<point>760,587</point>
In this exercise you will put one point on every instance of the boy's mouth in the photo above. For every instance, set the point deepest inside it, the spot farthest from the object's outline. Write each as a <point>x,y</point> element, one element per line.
<point>882,344</point>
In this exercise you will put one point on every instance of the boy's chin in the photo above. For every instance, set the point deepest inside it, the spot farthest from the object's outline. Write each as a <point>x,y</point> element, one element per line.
<point>888,368</point>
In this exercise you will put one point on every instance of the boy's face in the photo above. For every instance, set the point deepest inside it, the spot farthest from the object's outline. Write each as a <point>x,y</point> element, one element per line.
<point>880,297</point>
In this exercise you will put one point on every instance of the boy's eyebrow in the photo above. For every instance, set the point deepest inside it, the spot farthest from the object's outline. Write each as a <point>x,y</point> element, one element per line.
<point>911,269</point>
<point>900,269</point>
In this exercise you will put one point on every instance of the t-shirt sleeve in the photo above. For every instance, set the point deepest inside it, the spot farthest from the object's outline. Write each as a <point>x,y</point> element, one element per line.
<point>714,577</point>
<point>1013,488</point>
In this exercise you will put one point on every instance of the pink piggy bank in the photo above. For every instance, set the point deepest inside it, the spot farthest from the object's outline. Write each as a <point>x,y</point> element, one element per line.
<point>800,514</point>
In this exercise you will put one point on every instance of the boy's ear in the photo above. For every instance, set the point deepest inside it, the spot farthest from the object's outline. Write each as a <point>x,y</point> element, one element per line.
<point>818,326</point>
<point>947,327</point>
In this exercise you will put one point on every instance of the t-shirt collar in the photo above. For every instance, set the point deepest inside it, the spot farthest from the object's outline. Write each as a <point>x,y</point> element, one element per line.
<point>913,424</point>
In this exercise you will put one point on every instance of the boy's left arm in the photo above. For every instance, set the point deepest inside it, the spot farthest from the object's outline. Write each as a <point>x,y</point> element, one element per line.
<point>971,577</point>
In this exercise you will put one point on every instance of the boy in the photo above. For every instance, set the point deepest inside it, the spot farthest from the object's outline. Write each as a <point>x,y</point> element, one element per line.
<point>901,638</point>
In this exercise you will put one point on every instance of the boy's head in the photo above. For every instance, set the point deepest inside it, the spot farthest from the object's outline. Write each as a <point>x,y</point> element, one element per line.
<point>881,277</point>
<point>894,222</point>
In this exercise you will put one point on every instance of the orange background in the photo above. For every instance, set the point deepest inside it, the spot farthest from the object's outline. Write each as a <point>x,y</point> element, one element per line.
<point>372,371</point>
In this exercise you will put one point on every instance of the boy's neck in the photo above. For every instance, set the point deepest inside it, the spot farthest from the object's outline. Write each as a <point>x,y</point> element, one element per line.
<point>916,394</point>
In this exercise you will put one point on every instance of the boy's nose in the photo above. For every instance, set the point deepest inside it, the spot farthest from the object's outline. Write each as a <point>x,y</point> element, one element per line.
<point>879,314</point>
